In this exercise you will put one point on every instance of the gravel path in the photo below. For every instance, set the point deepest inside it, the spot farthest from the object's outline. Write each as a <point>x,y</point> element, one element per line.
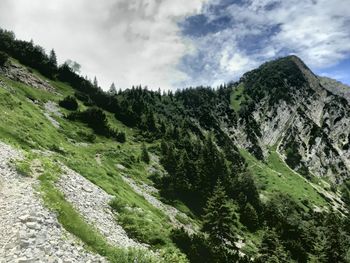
<point>29,231</point>
<point>93,204</point>
<point>51,109</point>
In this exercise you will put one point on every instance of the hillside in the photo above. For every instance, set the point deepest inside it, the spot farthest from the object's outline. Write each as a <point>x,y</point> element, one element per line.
<point>255,170</point>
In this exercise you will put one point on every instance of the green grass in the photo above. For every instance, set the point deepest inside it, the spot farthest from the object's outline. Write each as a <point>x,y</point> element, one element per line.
<point>23,167</point>
<point>275,176</point>
<point>75,224</point>
<point>24,125</point>
<point>238,97</point>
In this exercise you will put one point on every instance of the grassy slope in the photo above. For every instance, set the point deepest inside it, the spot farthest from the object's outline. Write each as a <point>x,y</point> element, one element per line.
<point>237,97</point>
<point>275,176</point>
<point>24,125</point>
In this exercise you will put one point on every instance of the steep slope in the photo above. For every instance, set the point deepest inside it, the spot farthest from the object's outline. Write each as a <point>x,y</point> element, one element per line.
<point>336,87</point>
<point>33,121</point>
<point>30,232</point>
<point>288,108</point>
<point>173,176</point>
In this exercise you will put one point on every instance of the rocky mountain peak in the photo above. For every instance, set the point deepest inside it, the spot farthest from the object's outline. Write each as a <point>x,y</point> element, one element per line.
<point>304,116</point>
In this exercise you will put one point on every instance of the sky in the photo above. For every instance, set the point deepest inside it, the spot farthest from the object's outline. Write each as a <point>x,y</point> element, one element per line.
<point>172,44</point>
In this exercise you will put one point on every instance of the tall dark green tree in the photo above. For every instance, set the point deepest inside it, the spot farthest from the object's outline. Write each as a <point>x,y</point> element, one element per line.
<point>337,242</point>
<point>95,83</point>
<point>249,217</point>
<point>212,166</point>
<point>3,58</point>
<point>271,250</point>
<point>53,58</point>
<point>112,89</point>
<point>219,222</point>
<point>144,154</point>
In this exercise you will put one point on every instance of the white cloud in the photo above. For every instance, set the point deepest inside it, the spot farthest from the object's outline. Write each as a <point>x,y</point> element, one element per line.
<point>139,41</point>
<point>316,30</point>
<point>123,41</point>
<point>236,63</point>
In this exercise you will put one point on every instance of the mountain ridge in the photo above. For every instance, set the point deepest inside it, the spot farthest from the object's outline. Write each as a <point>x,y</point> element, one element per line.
<point>308,103</point>
<point>249,163</point>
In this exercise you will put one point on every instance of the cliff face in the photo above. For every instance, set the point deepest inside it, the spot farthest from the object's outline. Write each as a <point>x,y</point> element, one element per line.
<point>288,108</point>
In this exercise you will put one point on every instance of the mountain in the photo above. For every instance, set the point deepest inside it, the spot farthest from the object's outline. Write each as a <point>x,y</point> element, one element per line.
<point>336,87</point>
<point>252,171</point>
<point>299,114</point>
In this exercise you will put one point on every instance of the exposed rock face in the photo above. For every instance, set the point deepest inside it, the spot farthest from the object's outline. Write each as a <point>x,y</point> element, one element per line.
<point>20,73</point>
<point>29,231</point>
<point>93,204</point>
<point>309,125</point>
<point>336,87</point>
<point>146,191</point>
<point>51,110</point>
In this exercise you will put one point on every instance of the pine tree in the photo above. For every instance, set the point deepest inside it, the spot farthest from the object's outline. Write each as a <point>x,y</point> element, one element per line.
<point>151,122</point>
<point>112,90</point>
<point>219,218</point>
<point>271,249</point>
<point>212,166</point>
<point>53,58</point>
<point>219,222</point>
<point>249,217</point>
<point>95,83</point>
<point>144,154</point>
<point>336,243</point>
<point>182,183</point>
<point>3,58</point>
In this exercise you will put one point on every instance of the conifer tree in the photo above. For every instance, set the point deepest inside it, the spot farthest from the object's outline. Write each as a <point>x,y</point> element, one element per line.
<point>271,249</point>
<point>112,89</point>
<point>219,222</point>
<point>336,242</point>
<point>144,154</point>
<point>249,217</point>
<point>53,58</point>
<point>95,83</point>
<point>219,218</point>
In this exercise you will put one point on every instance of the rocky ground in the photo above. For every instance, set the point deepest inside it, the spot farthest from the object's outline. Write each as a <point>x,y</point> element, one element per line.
<point>29,231</point>
<point>93,204</point>
<point>51,110</point>
<point>19,73</point>
<point>146,191</point>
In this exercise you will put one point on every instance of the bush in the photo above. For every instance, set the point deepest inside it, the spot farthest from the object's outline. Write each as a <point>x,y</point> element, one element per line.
<point>144,154</point>
<point>86,136</point>
<point>118,135</point>
<point>69,103</point>
<point>3,58</point>
<point>96,119</point>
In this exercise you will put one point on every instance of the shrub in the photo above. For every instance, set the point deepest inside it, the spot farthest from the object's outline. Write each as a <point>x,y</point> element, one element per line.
<point>23,168</point>
<point>87,136</point>
<point>69,103</point>
<point>144,154</point>
<point>96,119</point>
<point>3,58</point>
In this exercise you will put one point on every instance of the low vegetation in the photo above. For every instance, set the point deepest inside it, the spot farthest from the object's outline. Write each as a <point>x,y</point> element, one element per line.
<point>233,194</point>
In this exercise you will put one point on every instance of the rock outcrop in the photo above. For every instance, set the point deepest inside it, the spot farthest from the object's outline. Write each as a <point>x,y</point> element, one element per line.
<point>29,232</point>
<point>294,112</point>
<point>19,73</point>
<point>93,204</point>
